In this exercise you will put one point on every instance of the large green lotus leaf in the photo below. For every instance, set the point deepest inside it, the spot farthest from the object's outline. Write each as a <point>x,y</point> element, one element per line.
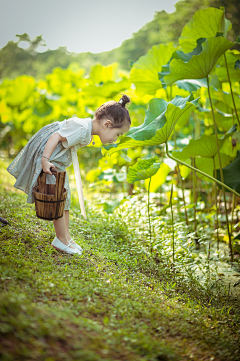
<point>226,98</point>
<point>180,55</point>
<point>232,56</point>
<point>224,120</point>
<point>204,24</point>
<point>206,146</point>
<point>231,174</point>
<point>144,72</point>
<point>143,169</point>
<point>206,165</point>
<point>102,74</point>
<point>161,118</point>
<point>158,179</point>
<point>199,66</point>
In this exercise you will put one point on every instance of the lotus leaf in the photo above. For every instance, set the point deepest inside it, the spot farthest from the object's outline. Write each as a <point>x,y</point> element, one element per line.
<point>205,147</point>
<point>143,169</point>
<point>231,174</point>
<point>204,24</point>
<point>159,178</point>
<point>199,66</point>
<point>232,56</point>
<point>206,165</point>
<point>144,72</point>
<point>226,98</point>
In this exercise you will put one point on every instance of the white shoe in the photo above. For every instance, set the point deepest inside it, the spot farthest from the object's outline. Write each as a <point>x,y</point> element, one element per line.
<point>56,243</point>
<point>75,245</point>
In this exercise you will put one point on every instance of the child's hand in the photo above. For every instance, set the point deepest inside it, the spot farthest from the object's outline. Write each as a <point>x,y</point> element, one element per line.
<point>46,165</point>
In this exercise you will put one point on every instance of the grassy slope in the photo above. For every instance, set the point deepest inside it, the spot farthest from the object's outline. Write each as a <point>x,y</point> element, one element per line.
<point>111,303</point>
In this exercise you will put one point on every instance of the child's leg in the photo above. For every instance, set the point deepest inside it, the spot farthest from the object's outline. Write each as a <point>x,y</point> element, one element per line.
<point>67,227</point>
<point>66,216</point>
<point>60,229</point>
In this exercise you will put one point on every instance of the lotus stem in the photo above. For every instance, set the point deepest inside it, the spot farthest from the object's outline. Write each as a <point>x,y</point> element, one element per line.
<point>230,84</point>
<point>194,195</point>
<point>233,206</point>
<point>183,194</point>
<point>221,172</point>
<point>173,250</point>
<point>149,221</point>
<point>215,174</point>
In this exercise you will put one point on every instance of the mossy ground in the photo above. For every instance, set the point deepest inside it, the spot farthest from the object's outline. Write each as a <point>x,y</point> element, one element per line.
<point>110,303</point>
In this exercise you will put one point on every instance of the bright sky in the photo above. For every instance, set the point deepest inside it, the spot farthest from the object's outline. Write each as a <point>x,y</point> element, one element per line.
<point>80,25</point>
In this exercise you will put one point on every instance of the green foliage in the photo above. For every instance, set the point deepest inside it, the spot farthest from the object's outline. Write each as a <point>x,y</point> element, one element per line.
<point>143,169</point>
<point>231,173</point>
<point>144,73</point>
<point>205,23</point>
<point>197,66</point>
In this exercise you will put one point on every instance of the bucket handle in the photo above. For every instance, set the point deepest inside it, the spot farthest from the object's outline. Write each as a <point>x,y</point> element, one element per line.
<point>60,180</point>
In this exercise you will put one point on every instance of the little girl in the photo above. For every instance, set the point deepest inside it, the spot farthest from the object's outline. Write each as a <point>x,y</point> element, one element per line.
<point>46,149</point>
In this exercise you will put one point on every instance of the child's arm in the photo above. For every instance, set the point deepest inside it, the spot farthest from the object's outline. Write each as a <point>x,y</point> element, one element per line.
<point>51,144</point>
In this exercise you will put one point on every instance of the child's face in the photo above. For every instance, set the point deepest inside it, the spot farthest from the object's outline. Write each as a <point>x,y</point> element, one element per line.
<point>108,134</point>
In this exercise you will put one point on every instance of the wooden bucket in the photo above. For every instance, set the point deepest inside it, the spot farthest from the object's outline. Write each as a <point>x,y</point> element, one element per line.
<point>50,198</point>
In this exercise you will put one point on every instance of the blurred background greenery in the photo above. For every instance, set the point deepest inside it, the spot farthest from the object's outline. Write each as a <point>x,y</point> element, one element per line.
<point>164,28</point>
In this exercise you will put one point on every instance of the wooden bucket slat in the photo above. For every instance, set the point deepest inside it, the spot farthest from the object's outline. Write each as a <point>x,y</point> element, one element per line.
<point>59,185</point>
<point>42,183</point>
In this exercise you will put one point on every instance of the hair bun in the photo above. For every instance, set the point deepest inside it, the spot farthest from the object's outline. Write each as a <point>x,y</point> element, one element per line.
<point>124,100</point>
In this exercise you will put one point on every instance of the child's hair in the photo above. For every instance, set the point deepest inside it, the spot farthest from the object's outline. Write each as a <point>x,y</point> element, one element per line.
<point>115,111</point>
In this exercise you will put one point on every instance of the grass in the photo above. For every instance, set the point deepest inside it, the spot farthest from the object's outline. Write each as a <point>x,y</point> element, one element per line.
<point>115,302</point>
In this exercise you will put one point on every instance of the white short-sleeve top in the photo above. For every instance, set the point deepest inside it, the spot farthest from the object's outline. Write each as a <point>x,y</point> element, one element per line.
<point>77,131</point>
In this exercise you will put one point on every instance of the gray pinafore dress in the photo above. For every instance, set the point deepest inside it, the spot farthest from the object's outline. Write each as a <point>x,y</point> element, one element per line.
<point>27,165</point>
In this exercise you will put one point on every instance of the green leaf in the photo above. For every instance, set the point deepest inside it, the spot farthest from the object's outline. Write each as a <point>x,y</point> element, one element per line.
<point>204,24</point>
<point>125,157</point>
<point>223,120</point>
<point>181,56</point>
<point>226,98</point>
<point>161,118</point>
<point>144,72</point>
<point>231,174</point>
<point>206,165</point>
<point>192,84</point>
<point>143,169</point>
<point>232,57</point>
<point>199,66</point>
<point>159,178</point>
<point>205,147</point>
